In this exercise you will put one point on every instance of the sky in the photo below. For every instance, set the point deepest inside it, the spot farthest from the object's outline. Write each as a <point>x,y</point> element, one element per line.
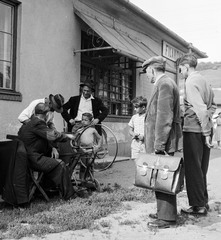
<point>196,21</point>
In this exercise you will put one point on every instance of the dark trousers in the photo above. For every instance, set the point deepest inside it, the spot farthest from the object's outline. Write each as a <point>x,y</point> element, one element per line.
<point>61,178</point>
<point>166,206</point>
<point>196,162</point>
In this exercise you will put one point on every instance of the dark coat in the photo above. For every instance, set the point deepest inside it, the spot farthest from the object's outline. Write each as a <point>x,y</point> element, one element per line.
<point>37,138</point>
<point>163,121</point>
<point>98,109</point>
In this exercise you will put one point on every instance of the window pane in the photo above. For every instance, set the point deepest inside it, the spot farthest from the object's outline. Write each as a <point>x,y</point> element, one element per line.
<point>5,18</point>
<point>5,47</point>
<point>5,75</point>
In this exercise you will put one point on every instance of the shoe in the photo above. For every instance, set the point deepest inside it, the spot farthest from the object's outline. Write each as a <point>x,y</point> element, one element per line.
<point>161,224</point>
<point>153,215</point>
<point>195,211</point>
<point>73,196</point>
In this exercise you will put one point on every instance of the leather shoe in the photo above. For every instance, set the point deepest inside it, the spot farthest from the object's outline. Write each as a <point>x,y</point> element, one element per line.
<point>161,224</point>
<point>153,215</point>
<point>195,211</point>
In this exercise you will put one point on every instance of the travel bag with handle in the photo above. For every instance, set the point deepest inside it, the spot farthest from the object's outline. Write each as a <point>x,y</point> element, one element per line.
<point>162,173</point>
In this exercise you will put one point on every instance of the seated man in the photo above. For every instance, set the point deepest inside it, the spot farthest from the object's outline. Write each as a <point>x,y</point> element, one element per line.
<point>39,139</point>
<point>87,139</point>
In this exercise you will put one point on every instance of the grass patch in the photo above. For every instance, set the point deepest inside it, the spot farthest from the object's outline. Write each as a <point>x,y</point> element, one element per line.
<point>57,216</point>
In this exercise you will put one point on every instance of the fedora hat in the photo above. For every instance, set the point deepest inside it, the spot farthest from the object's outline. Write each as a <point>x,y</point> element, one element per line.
<point>57,102</point>
<point>88,84</point>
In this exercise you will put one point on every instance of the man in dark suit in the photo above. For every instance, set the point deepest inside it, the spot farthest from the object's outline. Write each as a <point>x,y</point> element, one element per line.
<point>83,103</point>
<point>162,131</point>
<point>40,142</point>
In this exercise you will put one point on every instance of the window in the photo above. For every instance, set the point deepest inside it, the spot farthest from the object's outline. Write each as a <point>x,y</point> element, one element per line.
<point>112,75</point>
<point>8,30</point>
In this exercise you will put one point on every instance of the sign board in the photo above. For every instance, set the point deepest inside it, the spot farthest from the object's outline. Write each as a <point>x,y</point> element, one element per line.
<point>171,52</point>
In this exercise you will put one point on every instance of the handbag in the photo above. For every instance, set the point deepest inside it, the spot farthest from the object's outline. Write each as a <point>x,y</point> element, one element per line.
<point>162,173</point>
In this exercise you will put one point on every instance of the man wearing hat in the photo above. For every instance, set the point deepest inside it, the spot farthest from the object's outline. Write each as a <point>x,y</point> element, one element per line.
<point>38,139</point>
<point>162,131</point>
<point>86,102</point>
<point>54,102</point>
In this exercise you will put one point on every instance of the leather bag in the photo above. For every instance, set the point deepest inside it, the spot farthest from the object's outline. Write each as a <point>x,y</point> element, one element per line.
<point>162,173</point>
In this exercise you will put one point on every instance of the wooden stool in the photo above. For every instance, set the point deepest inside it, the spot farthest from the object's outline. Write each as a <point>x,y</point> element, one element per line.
<point>36,179</point>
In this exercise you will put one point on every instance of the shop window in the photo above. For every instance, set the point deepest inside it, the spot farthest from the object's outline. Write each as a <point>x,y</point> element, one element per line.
<point>112,75</point>
<point>8,30</point>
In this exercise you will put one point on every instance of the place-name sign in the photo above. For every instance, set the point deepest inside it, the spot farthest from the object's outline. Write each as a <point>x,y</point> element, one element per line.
<point>171,52</point>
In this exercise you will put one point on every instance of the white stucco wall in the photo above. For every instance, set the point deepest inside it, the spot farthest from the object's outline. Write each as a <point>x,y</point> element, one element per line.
<point>48,33</point>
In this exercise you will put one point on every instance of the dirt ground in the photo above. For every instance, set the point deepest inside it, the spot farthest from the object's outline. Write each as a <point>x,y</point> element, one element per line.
<point>123,172</point>
<point>130,222</point>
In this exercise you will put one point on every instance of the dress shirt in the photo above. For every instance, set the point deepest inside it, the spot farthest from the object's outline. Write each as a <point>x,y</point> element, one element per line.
<point>29,111</point>
<point>84,106</point>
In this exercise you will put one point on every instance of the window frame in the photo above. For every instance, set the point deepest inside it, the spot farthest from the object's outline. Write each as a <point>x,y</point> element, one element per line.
<point>94,69</point>
<point>12,94</point>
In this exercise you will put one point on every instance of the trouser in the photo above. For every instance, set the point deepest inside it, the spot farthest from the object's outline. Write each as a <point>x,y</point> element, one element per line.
<point>137,147</point>
<point>196,162</point>
<point>166,206</point>
<point>61,177</point>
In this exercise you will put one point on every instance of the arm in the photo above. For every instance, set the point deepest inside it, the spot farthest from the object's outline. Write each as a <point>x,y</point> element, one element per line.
<point>26,114</point>
<point>43,131</point>
<point>102,111</point>
<point>66,107</point>
<point>131,132</point>
<point>164,115</point>
<point>204,114</point>
<point>131,127</point>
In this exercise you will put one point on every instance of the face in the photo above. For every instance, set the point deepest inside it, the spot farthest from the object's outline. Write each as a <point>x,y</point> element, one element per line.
<point>86,91</point>
<point>150,74</point>
<point>184,71</point>
<point>85,121</point>
<point>139,110</point>
<point>51,106</point>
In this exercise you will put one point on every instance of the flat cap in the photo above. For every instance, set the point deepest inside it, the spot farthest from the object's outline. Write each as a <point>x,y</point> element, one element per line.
<point>157,61</point>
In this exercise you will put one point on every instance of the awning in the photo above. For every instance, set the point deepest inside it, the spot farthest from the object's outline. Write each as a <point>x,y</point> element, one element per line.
<point>120,41</point>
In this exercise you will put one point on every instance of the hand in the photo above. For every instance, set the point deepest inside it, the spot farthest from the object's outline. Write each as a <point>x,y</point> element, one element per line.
<point>141,137</point>
<point>26,121</point>
<point>95,121</point>
<point>71,136</point>
<point>159,152</point>
<point>54,153</point>
<point>96,148</point>
<point>136,136</point>
<point>208,142</point>
<point>72,121</point>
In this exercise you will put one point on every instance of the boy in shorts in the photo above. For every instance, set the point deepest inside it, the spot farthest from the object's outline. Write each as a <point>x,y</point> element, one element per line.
<point>136,126</point>
<point>88,139</point>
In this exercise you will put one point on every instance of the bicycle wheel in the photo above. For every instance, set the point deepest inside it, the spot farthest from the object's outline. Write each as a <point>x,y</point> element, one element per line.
<point>107,154</point>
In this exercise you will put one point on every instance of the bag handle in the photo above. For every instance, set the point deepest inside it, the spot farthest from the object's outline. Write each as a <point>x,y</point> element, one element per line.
<point>165,153</point>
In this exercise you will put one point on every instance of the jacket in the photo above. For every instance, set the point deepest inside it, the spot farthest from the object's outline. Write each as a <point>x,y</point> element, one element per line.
<point>98,108</point>
<point>38,138</point>
<point>162,120</point>
<point>199,105</point>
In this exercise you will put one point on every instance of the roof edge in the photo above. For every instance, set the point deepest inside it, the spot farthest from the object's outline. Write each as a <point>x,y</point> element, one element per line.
<point>163,28</point>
